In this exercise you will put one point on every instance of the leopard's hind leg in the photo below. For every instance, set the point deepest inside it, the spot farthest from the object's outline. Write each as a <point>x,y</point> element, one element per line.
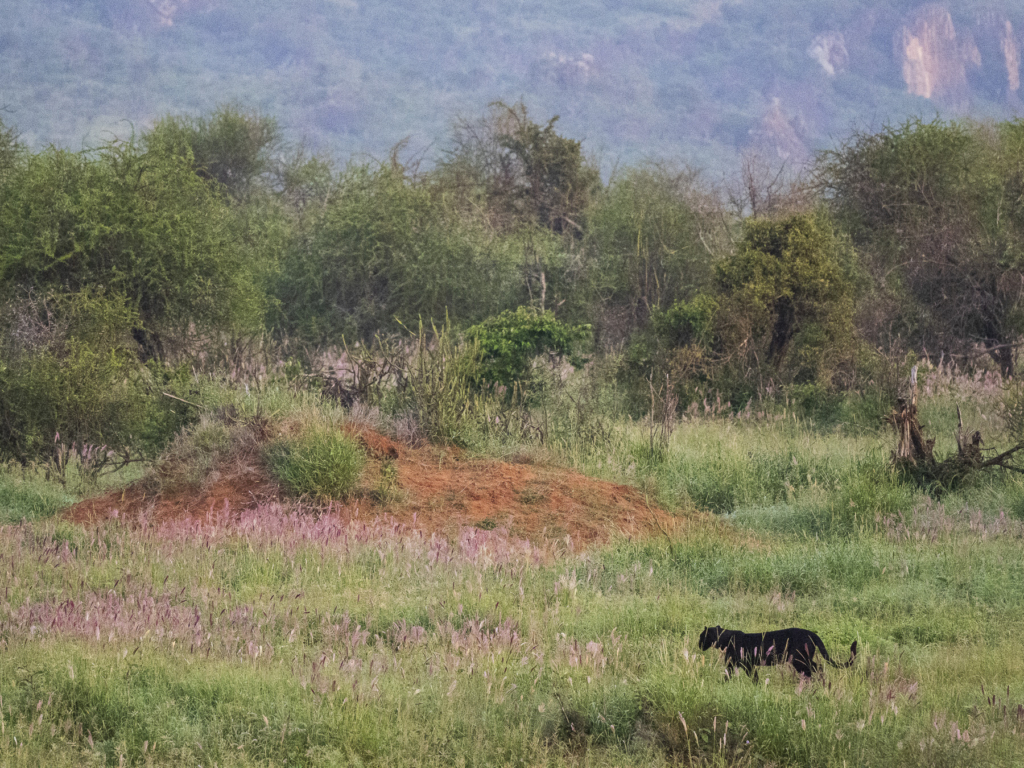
<point>803,661</point>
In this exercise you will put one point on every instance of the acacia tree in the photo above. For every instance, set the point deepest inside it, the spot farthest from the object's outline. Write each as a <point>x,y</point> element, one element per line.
<point>786,300</point>
<point>936,211</point>
<point>140,224</point>
<point>520,172</point>
<point>767,187</point>
<point>384,249</point>
<point>531,188</point>
<point>231,146</point>
<point>778,312</point>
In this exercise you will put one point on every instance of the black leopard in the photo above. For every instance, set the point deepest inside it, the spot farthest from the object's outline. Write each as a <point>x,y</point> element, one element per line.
<point>757,649</point>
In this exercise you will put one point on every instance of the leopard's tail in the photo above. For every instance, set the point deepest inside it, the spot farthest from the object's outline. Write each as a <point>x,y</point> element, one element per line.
<point>821,647</point>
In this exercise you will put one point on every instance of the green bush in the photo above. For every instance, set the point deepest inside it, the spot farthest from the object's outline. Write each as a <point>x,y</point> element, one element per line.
<point>10,152</point>
<point>320,462</point>
<point>787,301</point>
<point>139,223</point>
<point>509,342</point>
<point>383,250</point>
<point>233,147</point>
<point>817,401</point>
<point>677,346</point>
<point>521,173</point>
<point>935,210</point>
<point>651,240</point>
<point>780,314</point>
<point>68,375</point>
<point>166,417</point>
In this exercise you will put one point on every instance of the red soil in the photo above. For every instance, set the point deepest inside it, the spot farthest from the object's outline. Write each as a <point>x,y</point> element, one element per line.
<point>436,490</point>
<point>232,491</point>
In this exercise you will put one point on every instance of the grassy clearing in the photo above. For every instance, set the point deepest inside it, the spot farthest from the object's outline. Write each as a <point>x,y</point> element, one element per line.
<point>295,639</point>
<point>31,493</point>
<point>301,640</point>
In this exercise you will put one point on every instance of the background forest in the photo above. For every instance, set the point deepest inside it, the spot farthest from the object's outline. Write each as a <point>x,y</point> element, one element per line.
<point>350,416</point>
<point>205,307</point>
<point>698,80</point>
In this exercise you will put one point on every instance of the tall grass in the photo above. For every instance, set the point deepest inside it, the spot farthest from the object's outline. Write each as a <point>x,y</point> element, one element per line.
<point>289,637</point>
<point>319,462</point>
<point>29,495</point>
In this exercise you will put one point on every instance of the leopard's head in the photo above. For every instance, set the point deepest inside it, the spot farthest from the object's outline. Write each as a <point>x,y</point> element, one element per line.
<point>709,637</point>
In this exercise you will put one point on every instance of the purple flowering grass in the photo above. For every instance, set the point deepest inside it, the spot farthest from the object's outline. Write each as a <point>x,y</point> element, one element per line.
<point>170,584</point>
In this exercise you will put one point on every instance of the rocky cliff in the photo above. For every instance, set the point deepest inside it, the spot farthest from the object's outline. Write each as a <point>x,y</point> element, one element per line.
<point>942,62</point>
<point>999,46</point>
<point>165,11</point>
<point>955,59</point>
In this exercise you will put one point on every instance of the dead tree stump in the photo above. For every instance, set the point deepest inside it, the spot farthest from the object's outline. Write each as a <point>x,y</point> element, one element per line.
<point>914,456</point>
<point>912,449</point>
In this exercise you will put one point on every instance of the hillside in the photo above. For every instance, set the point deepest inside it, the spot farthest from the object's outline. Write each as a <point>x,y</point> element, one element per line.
<point>695,79</point>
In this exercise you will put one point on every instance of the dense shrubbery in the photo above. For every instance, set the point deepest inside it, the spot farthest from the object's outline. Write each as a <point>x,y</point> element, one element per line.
<point>522,173</point>
<point>232,147</point>
<point>383,248</point>
<point>509,342</point>
<point>206,241</point>
<point>138,223</point>
<point>9,151</point>
<point>653,237</point>
<point>936,214</point>
<point>780,313</point>
<point>786,302</point>
<point>69,374</point>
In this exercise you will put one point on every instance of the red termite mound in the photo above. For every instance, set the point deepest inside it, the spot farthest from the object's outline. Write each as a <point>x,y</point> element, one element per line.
<point>433,489</point>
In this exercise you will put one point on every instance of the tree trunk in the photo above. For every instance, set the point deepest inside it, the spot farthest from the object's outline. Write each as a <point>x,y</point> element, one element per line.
<point>150,346</point>
<point>1004,355</point>
<point>782,333</point>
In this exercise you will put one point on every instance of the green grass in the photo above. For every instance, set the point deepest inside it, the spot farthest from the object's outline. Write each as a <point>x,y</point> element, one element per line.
<point>32,493</point>
<point>28,495</point>
<point>293,639</point>
<point>364,646</point>
<point>319,463</point>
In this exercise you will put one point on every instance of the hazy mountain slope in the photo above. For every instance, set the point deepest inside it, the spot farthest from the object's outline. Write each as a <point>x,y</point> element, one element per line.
<point>684,78</point>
